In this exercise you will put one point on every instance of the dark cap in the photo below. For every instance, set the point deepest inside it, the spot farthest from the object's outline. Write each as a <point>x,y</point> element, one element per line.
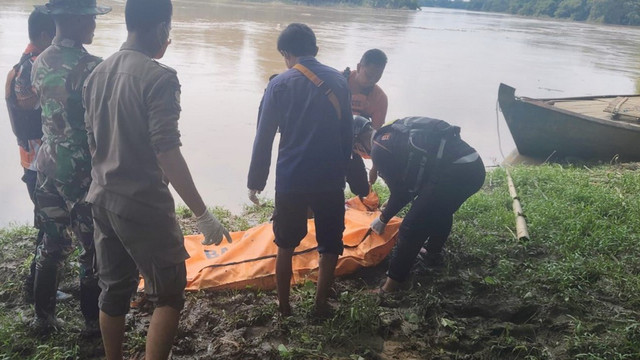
<point>72,7</point>
<point>360,125</point>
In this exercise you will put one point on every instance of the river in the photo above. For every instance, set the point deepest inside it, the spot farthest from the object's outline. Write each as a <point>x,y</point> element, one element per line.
<point>442,63</point>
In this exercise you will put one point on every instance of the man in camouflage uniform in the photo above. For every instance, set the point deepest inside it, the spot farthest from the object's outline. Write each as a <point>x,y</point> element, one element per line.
<point>64,161</point>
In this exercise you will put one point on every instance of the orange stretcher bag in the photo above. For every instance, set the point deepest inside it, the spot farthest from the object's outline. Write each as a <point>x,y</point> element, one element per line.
<point>249,261</point>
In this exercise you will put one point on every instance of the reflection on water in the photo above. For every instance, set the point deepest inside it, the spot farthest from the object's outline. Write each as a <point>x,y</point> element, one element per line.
<point>442,63</point>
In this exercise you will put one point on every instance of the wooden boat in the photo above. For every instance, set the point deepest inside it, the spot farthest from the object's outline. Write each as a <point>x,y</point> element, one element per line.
<point>587,128</point>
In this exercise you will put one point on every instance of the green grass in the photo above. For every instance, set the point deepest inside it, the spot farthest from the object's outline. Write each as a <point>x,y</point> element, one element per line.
<point>583,253</point>
<point>574,283</point>
<point>356,318</point>
<point>583,227</point>
<point>14,240</point>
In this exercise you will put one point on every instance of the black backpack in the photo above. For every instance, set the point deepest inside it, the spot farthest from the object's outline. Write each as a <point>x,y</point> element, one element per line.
<point>422,141</point>
<point>26,124</point>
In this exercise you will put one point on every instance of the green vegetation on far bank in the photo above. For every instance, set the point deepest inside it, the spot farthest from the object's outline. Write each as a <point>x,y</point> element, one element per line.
<point>388,4</point>
<point>615,12</point>
<point>570,292</point>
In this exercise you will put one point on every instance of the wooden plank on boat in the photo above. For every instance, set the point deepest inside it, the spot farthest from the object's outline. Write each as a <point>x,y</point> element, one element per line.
<point>625,106</point>
<point>594,108</point>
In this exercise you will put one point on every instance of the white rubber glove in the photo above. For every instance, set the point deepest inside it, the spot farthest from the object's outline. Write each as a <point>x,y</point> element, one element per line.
<point>211,228</point>
<point>377,226</point>
<point>384,205</point>
<point>253,196</point>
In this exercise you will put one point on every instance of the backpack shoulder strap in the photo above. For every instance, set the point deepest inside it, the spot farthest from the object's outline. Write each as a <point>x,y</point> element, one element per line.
<point>320,84</point>
<point>8,92</point>
<point>13,75</point>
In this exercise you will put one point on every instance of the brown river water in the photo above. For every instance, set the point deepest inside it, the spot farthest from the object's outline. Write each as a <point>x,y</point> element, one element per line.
<point>445,64</point>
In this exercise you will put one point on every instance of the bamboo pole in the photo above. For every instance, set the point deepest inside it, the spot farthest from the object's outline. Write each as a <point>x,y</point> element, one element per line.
<point>521,224</point>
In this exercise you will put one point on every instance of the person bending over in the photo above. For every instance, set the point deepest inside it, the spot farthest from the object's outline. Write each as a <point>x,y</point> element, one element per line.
<point>425,163</point>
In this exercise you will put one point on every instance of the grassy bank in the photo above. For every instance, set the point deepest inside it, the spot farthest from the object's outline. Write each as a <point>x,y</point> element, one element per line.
<point>569,292</point>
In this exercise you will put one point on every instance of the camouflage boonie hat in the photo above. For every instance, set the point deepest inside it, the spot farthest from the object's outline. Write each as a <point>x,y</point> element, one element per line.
<point>72,7</point>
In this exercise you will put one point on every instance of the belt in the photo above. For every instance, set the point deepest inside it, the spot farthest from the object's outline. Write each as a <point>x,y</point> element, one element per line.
<point>467,158</point>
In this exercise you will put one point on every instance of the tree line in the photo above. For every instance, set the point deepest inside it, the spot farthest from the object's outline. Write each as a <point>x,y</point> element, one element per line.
<point>389,4</point>
<point>618,12</point>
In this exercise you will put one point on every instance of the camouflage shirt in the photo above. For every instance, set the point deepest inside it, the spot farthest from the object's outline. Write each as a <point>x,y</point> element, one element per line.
<point>58,75</point>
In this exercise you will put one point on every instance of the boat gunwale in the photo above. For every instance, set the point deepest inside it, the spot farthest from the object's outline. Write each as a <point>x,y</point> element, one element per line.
<point>542,103</point>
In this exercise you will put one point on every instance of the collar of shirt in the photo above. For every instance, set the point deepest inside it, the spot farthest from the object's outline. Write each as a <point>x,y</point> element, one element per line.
<point>130,45</point>
<point>307,59</point>
<point>32,49</point>
<point>64,42</point>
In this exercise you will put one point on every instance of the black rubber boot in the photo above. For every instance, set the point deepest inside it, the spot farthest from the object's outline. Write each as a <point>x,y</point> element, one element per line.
<point>30,280</point>
<point>28,288</point>
<point>89,292</point>
<point>45,288</point>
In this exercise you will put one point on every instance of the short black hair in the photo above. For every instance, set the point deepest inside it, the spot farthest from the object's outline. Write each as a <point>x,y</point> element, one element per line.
<point>39,23</point>
<point>145,15</point>
<point>374,57</point>
<point>298,40</point>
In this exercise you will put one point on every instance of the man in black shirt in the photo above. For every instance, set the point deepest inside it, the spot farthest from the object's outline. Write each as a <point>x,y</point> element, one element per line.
<point>424,162</point>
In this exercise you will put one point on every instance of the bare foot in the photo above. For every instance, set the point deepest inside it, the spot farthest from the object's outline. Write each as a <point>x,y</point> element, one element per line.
<point>284,309</point>
<point>323,311</point>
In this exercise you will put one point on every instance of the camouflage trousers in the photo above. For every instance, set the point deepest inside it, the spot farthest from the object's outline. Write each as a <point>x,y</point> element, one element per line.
<point>62,212</point>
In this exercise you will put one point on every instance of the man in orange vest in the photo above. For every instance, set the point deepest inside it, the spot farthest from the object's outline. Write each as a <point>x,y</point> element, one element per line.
<point>367,98</point>
<point>25,115</point>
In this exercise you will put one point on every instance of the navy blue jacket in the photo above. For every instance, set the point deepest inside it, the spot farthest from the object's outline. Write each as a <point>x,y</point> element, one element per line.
<point>315,145</point>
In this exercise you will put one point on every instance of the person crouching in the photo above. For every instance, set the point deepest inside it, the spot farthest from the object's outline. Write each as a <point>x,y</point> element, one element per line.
<point>424,162</point>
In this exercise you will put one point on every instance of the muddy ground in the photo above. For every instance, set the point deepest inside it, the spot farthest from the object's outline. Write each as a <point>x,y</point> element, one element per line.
<point>460,311</point>
<point>451,313</point>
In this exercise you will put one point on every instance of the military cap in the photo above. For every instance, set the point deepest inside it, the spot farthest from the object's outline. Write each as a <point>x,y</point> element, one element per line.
<point>72,7</point>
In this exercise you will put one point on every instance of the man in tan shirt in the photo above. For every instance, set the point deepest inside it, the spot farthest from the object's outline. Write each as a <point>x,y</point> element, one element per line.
<point>132,109</point>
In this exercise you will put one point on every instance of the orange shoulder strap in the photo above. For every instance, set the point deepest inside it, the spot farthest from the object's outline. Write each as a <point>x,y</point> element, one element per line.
<point>319,82</point>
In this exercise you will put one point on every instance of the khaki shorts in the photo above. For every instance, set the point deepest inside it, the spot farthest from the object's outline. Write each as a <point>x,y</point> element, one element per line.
<point>125,248</point>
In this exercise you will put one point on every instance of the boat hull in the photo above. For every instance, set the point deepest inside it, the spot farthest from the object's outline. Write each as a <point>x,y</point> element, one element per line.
<point>541,130</point>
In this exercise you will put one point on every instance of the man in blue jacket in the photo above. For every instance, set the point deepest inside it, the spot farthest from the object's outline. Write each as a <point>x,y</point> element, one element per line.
<point>311,105</point>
